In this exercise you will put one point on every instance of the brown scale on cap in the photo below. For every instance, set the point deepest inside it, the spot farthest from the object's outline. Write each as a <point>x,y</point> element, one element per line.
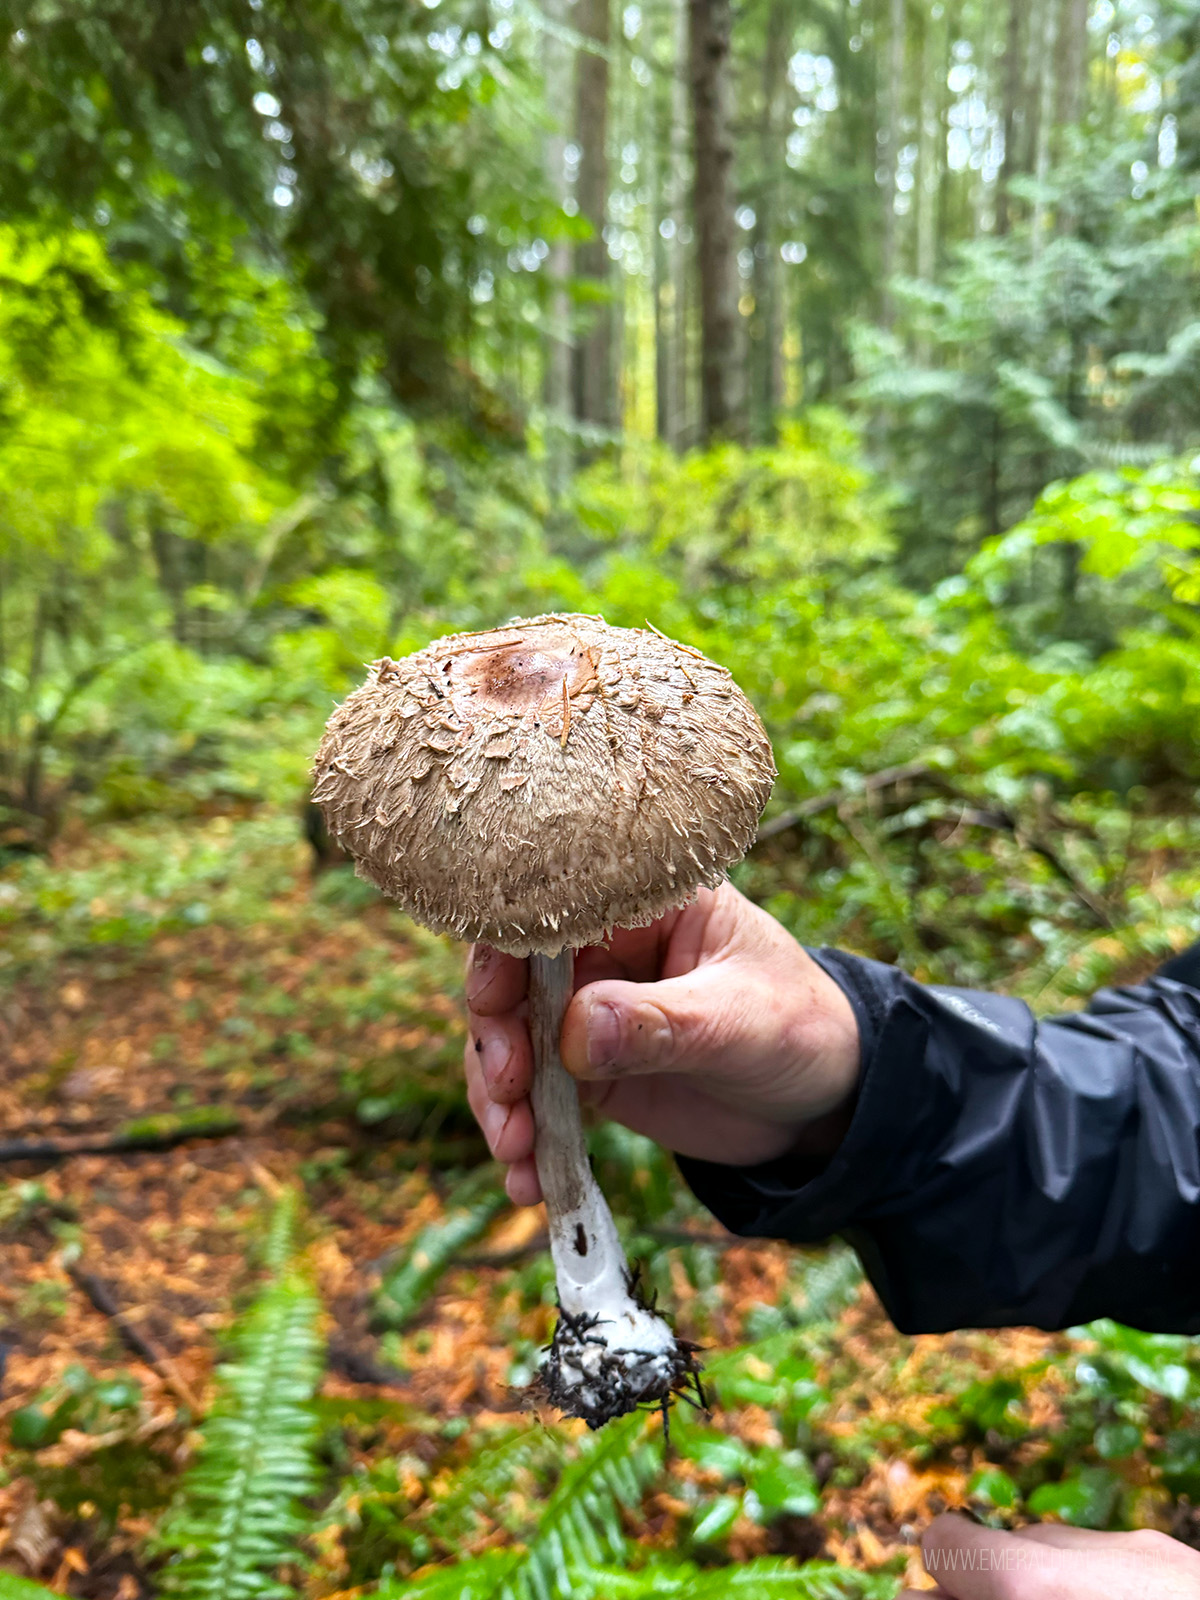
<point>537,785</point>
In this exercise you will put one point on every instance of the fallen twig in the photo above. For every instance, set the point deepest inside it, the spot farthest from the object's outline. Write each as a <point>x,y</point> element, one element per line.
<point>972,816</point>
<point>101,1298</point>
<point>360,1365</point>
<point>506,1258</point>
<point>153,1133</point>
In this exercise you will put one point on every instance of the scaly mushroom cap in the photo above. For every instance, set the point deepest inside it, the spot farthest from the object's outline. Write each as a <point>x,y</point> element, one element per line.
<point>538,785</point>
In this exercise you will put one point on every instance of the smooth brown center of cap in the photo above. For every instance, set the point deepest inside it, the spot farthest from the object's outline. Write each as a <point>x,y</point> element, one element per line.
<point>520,671</point>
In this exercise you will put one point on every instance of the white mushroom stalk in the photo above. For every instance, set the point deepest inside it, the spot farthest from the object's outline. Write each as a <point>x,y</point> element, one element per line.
<point>534,787</point>
<point>611,1353</point>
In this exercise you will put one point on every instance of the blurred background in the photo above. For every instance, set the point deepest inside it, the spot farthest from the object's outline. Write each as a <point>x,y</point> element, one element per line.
<point>855,342</point>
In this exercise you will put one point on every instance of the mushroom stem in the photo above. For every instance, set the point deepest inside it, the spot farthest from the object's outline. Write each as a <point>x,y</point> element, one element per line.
<point>588,1260</point>
<point>610,1353</point>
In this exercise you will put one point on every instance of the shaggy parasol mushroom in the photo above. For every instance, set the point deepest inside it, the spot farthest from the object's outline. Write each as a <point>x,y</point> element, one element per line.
<point>533,788</point>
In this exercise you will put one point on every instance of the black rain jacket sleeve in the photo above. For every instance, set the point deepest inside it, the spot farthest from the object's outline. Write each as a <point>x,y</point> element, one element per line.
<point>999,1170</point>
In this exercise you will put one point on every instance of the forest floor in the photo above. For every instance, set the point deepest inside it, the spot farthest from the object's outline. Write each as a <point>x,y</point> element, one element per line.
<point>154,979</point>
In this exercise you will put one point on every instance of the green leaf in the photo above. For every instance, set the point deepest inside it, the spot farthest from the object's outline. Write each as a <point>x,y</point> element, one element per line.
<point>31,1427</point>
<point>1117,1439</point>
<point>13,1588</point>
<point>784,1485</point>
<point>994,1486</point>
<point>717,1452</point>
<point>1086,1499</point>
<point>717,1519</point>
<point>578,1527</point>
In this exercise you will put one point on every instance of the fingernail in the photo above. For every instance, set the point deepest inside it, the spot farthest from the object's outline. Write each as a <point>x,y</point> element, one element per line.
<point>603,1036</point>
<point>495,1056</point>
<point>495,1120</point>
<point>480,972</point>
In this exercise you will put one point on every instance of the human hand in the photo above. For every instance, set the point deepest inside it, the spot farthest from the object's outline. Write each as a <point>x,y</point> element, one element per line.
<point>712,1031</point>
<point>1053,1562</point>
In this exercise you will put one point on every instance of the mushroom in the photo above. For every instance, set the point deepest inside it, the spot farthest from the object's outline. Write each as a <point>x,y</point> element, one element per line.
<point>534,787</point>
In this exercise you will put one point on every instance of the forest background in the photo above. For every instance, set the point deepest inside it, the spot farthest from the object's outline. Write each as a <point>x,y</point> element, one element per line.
<point>855,342</point>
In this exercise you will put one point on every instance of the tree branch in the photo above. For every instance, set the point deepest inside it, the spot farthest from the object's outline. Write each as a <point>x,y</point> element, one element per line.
<point>886,778</point>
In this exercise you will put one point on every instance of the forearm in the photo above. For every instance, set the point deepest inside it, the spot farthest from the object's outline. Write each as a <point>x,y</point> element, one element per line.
<point>999,1171</point>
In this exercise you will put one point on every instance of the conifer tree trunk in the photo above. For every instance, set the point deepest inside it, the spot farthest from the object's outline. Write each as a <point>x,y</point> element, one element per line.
<point>660,286</point>
<point>1013,111</point>
<point>952,213</point>
<point>722,381</point>
<point>556,387</point>
<point>1072,63</point>
<point>592,361</point>
<point>1046,102</point>
<point>679,425</point>
<point>767,327</point>
<point>889,144</point>
<point>931,144</point>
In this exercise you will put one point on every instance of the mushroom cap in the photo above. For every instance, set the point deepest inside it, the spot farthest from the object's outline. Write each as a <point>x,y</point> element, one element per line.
<point>537,785</point>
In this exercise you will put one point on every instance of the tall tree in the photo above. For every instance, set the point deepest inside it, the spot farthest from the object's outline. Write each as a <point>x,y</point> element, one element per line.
<point>593,376</point>
<point>931,137</point>
<point>274,124</point>
<point>556,61</point>
<point>680,366</point>
<point>1045,89</point>
<point>888,140</point>
<point>1013,112</point>
<point>722,371</point>
<point>767,324</point>
<point>1072,62</point>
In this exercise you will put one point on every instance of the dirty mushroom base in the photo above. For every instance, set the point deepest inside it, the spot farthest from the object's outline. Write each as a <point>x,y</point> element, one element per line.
<point>587,1376</point>
<point>611,1352</point>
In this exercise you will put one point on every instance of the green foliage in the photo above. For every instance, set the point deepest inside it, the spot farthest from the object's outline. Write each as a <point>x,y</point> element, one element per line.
<point>236,1518</point>
<point>78,1400</point>
<point>406,1287</point>
<point>1086,1499</point>
<point>12,1588</point>
<point>760,1579</point>
<point>804,506</point>
<point>159,879</point>
<point>1035,357</point>
<point>203,1122</point>
<point>578,1546</point>
<point>341,143</point>
<point>272,339</point>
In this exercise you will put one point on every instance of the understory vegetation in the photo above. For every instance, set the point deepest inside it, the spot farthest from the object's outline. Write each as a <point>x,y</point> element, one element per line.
<point>242,1069</point>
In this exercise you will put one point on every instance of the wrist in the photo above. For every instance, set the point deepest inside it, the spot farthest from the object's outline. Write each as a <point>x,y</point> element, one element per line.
<point>829,1064</point>
<point>829,1050</point>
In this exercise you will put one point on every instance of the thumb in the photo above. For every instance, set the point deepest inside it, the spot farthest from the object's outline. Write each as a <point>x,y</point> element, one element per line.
<point>615,1029</point>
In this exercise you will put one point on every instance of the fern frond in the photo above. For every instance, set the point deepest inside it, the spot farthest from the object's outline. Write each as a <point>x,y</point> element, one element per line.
<point>829,1285</point>
<point>766,1578</point>
<point>581,1521</point>
<point>407,1286</point>
<point>236,1520</point>
<point>578,1528</point>
<point>487,1481</point>
<point>479,1578</point>
<point>279,1247</point>
<point>494,1577</point>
